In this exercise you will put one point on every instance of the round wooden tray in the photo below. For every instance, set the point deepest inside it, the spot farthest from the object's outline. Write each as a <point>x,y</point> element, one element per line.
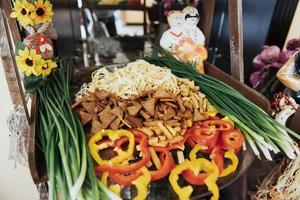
<point>37,163</point>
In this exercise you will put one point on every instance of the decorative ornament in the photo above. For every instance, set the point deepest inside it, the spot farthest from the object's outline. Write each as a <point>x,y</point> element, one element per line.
<point>40,43</point>
<point>18,126</point>
<point>184,39</point>
<point>288,74</point>
<point>284,106</point>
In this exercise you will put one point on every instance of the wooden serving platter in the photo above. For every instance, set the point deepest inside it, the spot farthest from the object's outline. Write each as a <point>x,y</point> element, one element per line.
<point>37,163</point>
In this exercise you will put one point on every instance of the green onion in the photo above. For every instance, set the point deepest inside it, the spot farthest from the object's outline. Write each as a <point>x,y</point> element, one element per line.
<point>260,130</point>
<point>62,140</point>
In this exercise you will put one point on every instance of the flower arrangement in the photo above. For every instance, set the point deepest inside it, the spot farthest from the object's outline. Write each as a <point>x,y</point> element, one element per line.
<point>29,62</point>
<point>34,56</point>
<point>38,12</point>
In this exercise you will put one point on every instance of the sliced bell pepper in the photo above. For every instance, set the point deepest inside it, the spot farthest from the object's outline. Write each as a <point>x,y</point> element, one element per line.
<point>212,187</point>
<point>126,169</point>
<point>123,179</point>
<point>227,119</point>
<point>195,150</point>
<point>191,142</point>
<point>230,154</point>
<point>115,188</point>
<point>218,158</point>
<point>205,136</point>
<point>141,184</point>
<point>95,145</point>
<point>217,124</point>
<point>104,177</point>
<point>215,155</point>
<point>211,110</point>
<point>167,164</point>
<point>232,139</point>
<point>182,192</point>
<point>194,179</point>
<point>189,175</point>
<point>196,166</point>
<point>143,138</point>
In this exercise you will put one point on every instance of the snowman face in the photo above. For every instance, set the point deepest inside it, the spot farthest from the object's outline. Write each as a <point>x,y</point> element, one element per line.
<point>175,19</point>
<point>191,16</point>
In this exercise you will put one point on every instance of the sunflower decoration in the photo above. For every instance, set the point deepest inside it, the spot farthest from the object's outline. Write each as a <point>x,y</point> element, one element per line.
<point>43,12</point>
<point>29,62</point>
<point>22,12</point>
<point>46,67</point>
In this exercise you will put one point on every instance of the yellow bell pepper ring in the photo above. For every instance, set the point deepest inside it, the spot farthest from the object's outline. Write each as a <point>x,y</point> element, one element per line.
<point>115,188</point>
<point>141,184</point>
<point>230,154</point>
<point>113,136</point>
<point>195,165</point>
<point>185,192</point>
<point>194,151</point>
<point>103,179</point>
<point>213,188</point>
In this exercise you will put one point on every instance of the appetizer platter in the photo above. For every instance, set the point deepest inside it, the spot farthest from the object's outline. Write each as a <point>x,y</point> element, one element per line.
<point>155,128</point>
<point>149,130</point>
<point>158,121</point>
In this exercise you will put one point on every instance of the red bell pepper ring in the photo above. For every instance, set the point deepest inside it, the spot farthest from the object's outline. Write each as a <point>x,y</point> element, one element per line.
<point>141,138</point>
<point>191,142</point>
<point>121,141</point>
<point>205,137</point>
<point>218,158</point>
<point>232,139</point>
<point>125,180</point>
<point>217,124</point>
<point>194,179</point>
<point>167,161</point>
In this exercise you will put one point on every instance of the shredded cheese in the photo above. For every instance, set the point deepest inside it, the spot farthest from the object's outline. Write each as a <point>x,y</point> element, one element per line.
<point>131,80</point>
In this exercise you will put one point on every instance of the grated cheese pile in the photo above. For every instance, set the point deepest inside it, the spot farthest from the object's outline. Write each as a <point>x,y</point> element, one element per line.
<point>131,80</point>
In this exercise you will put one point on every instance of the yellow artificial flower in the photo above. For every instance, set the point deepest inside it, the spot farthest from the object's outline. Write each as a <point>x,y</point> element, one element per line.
<point>43,12</point>
<point>22,11</point>
<point>46,67</point>
<point>28,61</point>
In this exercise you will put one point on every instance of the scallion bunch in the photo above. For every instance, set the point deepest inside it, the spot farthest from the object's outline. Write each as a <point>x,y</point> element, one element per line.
<point>261,131</point>
<point>61,138</point>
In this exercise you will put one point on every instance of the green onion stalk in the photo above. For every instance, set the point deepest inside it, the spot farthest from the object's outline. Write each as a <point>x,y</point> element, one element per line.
<point>61,138</point>
<point>260,130</point>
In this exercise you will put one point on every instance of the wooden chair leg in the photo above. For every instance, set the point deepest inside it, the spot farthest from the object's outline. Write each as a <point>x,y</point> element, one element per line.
<point>236,39</point>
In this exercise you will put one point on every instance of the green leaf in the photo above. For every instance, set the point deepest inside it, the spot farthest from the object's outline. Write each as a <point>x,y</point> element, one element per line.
<point>19,46</point>
<point>31,83</point>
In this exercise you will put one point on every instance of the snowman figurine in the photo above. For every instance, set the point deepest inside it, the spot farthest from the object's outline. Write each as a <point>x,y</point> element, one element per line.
<point>172,36</point>
<point>190,29</point>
